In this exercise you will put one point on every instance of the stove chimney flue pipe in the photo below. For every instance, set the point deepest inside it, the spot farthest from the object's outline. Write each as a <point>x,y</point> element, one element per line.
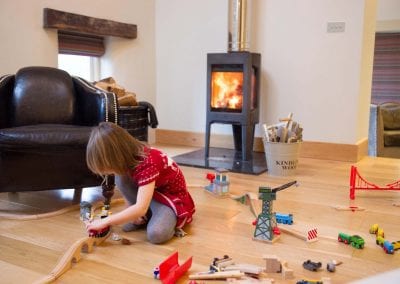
<point>238,25</point>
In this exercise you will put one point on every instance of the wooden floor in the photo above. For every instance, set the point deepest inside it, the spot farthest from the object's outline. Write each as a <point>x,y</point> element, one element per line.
<point>31,249</point>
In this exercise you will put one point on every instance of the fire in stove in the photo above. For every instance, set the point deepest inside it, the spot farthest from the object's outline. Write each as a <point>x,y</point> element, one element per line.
<point>227,91</point>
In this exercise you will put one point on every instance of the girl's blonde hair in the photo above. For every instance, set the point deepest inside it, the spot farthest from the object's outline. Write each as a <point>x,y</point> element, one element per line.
<point>112,149</point>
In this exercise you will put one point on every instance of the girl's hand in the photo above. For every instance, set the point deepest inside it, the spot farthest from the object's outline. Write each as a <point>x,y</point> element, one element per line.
<point>96,225</point>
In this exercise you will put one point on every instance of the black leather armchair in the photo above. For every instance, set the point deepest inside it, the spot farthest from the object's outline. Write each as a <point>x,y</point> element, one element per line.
<point>45,122</point>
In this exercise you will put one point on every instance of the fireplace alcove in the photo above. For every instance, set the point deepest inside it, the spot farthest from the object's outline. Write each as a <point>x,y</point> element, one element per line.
<point>233,81</point>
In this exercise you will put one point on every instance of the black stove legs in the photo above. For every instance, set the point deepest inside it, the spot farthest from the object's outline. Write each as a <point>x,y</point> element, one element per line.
<point>243,138</point>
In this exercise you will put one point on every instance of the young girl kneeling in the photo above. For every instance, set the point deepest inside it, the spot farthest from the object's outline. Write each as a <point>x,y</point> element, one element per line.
<point>152,184</point>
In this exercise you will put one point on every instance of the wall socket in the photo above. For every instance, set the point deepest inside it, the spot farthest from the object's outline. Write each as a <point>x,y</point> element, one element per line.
<point>335,27</point>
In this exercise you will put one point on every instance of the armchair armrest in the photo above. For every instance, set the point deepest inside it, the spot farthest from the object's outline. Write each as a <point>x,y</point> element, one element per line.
<point>153,121</point>
<point>6,90</point>
<point>94,105</point>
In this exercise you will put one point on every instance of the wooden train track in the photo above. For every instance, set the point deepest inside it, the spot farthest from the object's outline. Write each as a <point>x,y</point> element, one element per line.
<point>26,217</point>
<point>251,199</point>
<point>72,255</point>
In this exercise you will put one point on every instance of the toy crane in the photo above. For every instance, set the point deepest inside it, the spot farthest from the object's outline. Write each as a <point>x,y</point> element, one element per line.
<point>266,221</point>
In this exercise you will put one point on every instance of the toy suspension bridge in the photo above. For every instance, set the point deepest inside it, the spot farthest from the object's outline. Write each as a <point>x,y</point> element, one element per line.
<point>357,182</point>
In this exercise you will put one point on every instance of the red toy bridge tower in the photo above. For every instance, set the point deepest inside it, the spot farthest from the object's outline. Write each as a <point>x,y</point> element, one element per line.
<point>357,182</point>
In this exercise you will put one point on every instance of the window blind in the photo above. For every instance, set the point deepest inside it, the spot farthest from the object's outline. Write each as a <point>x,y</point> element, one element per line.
<point>386,70</point>
<point>80,44</point>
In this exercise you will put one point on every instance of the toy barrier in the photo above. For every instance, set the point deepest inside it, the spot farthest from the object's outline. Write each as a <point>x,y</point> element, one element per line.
<point>282,158</point>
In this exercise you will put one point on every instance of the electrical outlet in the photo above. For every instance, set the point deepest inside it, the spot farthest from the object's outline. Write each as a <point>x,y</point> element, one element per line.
<point>335,27</point>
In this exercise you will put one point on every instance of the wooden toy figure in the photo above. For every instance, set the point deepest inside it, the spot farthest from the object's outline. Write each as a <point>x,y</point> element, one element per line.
<point>219,182</point>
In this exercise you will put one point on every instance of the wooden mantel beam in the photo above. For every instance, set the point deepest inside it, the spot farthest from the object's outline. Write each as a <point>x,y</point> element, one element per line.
<point>65,21</point>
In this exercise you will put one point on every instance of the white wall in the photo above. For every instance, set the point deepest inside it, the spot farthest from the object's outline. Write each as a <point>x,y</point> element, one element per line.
<point>388,16</point>
<point>24,41</point>
<point>305,70</point>
<point>185,32</point>
<point>388,10</point>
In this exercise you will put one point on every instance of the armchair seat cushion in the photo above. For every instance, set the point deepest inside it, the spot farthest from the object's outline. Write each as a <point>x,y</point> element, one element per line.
<point>391,138</point>
<point>36,136</point>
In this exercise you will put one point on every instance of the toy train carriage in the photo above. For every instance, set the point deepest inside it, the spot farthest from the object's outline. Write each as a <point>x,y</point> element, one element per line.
<point>380,241</point>
<point>380,233</point>
<point>284,218</point>
<point>396,245</point>
<point>99,233</point>
<point>354,240</point>
<point>374,229</point>
<point>388,247</point>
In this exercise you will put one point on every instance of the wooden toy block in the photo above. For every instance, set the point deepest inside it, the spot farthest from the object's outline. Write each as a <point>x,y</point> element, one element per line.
<point>287,273</point>
<point>272,264</point>
<point>217,275</point>
<point>246,268</point>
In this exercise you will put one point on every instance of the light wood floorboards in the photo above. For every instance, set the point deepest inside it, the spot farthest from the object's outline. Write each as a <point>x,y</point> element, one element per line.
<point>30,249</point>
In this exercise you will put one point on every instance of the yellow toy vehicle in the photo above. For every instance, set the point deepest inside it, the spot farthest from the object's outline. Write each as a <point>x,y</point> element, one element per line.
<point>396,245</point>
<point>374,228</point>
<point>380,241</point>
<point>380,233</point>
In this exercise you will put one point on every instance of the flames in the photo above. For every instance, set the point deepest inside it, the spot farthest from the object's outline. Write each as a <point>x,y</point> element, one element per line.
<point>227,90</point>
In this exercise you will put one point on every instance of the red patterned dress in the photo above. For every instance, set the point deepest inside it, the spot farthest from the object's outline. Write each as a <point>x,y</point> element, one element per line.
<point>170,185</point>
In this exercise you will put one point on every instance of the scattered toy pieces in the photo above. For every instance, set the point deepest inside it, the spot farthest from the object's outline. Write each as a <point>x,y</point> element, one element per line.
<point>251,269</point>
<point>250,280</point>
<point>86,211</point>
<point>219,264</point>
<point>217,275</point>
<point>180,233</point>
<point>156,273</point>
<point>115,237</point>
<point>219,182</point>
<point>125,241</point>
<point>354,240</point>
<point>312,266</point>
<point>250,198</point>
<point>287,273</point>
<point>272,264</point>
<point>349,208</point>
<point>170,270</point>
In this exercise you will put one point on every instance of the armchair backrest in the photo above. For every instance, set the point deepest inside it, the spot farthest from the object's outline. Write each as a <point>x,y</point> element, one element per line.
<point>390,114</point>
<point>42,95</point>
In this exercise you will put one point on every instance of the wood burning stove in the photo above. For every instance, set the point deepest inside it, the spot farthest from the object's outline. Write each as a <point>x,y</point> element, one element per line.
<point>233,84</point>
<point>233,97</point>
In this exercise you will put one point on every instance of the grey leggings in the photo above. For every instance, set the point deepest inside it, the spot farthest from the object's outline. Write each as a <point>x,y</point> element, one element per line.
<point>161,226</point>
